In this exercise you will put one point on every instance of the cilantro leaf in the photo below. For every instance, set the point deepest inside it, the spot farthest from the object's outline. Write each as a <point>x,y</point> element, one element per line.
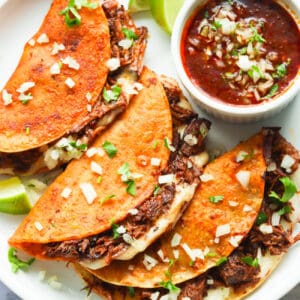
<point>221,261</point>
<point>156,190</point>
<point>261,218</point>
<point>131,187</point>
<point>114,228</point>
<point>130,34</point>
<point>169,286</point>
<point>285,210</point>
<point>273,91</point>
<point>110,149</point>
<point>16,263</point>
<point>290,190</point>
<point>281,71</point>
<point>256,36</point>
<point>131,291</point>
<point>113,94</point>
<point>216,199</point>
<point>250,261</point>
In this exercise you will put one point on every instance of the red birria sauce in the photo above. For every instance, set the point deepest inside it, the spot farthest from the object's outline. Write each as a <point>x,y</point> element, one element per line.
<point>241,52</point>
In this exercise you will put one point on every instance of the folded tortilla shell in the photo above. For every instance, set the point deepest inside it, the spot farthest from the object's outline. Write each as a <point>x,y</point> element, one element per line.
<point>55,108</point>
<point>147,119</point>
<point>199,224</point>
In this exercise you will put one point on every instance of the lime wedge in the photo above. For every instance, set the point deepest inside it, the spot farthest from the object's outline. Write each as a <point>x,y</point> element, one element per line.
<point>135,6</point>
<point>13,197</point>
<point>165,12</point>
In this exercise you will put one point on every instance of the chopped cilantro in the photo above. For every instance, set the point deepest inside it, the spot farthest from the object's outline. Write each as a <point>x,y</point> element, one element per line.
<point>216,25</point>
<point>255,72</point>
<point>261,218</point>
<point>221,261</point>
<point>250,261</point>
<point>130,35</point>
<point>272,92</point>
<point>16,263</point>
<point>154,145</point>
<point>110,149</point>
<point>80,147</point>
<point>156,190</point>
<point>169,286</point>
<point>243,50</point>
<point>114,228</point>
<point>290,190</point>
<point>124,170</point>
<point>216,199</point>
<point>211,254</point>
<point>285,210</point>
<point>191,263</point>
<point>72,17</point>
<point>113,94</point>
<point>131,291</point>
<point>256,36</point>
<point>27,130</point>
<point>281,71</point>
<point>206,15</point>
<point>99,179</point>
<point>131,187</point>
<point>249,156</point>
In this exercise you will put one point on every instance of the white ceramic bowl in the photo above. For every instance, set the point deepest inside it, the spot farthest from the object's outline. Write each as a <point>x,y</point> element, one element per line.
<point>227,112</point>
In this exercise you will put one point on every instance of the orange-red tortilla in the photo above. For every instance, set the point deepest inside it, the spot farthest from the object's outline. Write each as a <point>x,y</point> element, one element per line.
<point>55,108</point>
<point>148,119</point>
<point>198,226</point>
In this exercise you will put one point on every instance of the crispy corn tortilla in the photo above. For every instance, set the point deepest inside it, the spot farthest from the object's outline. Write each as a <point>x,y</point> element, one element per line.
<point>133,135</point>
<point>199,223</point>
<point>55,108</point>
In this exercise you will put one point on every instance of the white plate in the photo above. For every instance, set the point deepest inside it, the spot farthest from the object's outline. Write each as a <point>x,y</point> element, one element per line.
<point>19,20</point>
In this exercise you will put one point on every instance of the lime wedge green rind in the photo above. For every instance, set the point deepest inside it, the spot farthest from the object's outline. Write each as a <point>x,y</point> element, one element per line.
<point>135,6</point>
<point>165,12</point>
<point>13,197</point>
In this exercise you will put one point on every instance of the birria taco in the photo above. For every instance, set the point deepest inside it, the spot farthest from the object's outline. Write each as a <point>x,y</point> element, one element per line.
<point>112,205</point>
<point>234,233</point>
<point>76,74</point>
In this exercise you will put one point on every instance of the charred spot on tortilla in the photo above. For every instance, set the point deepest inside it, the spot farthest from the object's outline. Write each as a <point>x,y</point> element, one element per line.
<point>123,67</point>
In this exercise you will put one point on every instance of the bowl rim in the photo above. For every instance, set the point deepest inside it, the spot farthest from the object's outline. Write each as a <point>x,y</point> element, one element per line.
<point>204,98</point>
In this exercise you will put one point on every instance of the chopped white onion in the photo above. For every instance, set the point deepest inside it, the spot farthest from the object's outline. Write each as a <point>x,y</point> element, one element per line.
<point>96,168</point>
<point>275,221</point>
<point>206,177</point>
<point>176,254</point>
<point>235,240</point>
<point>272,167</point>
<point>169,178</point>
<point>42,275</point>
<point>43,39</point>
<point>26,86</point>
<point>125,43</point>
<point>113,64</point>
<point>244,63</point>
<point>287,162</point>
<point>38,226</point>
<point>121,229</point>
<point>88,96</point>
<point>247,208</point>
<point>233,203</point>
<point>149,262</point>
<point>222,230</point>
<point>31,42</point>
<point>91,152</point>
<point>210,281</point>
<point>70,82</point>
<point>131,267</point>
<point>88,192</point>
<point>191,140</point>
<point>89,108</point>
<point>55,69</point>
<point>266,229</point>
<point>154,296</point>
<point>176,240</point>
<point>66,192</point>
<point>71,62</point>
<point>7,98</point>
<point>243,178</point>
<point>193,253</point>
<point>160,253</point>
<point>155,162</point>
<point>57,47</point>
<point>133,211</point>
